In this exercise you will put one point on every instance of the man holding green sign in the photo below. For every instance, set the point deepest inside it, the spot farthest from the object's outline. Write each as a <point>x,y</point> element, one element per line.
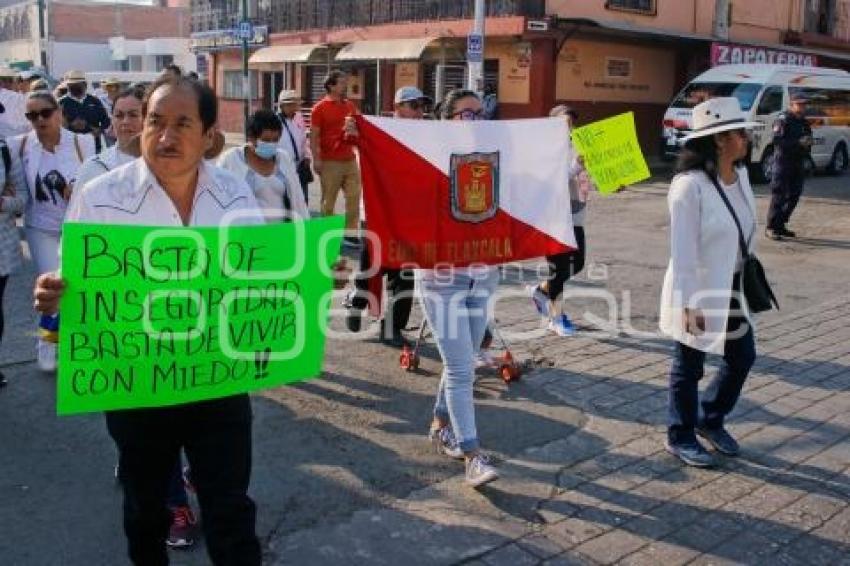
<point>173,325</point>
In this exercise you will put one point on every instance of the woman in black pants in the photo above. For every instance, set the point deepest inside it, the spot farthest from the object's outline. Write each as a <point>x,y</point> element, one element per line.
<point>562,267</point>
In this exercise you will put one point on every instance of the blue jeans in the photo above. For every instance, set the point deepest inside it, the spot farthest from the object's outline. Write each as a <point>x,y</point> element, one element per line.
<point>456,307</point>
<point>719,399</point>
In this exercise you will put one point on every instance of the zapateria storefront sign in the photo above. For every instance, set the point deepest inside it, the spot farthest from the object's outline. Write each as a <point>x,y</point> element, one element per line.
<point>735,54</point>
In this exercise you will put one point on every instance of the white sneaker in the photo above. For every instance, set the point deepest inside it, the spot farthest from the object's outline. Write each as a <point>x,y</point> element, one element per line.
<point>46,355</point>
<point>479,471</point>
<point>562,326</point>
<point>484,359</point>
<point>539,298</point>
<point>445,442</point>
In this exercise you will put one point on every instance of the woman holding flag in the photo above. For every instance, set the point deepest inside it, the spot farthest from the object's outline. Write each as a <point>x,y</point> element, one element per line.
<point>472,192</point>
<point>456,302</point>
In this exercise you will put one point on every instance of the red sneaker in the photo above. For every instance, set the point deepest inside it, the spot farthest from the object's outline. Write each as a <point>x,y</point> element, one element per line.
<point>181,533</point>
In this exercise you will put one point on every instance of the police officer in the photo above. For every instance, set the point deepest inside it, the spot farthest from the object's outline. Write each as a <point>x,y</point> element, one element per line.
<point>792,142</point>
<point>83,113</point>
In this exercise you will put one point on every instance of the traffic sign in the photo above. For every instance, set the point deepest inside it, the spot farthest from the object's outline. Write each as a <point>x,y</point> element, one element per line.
<point>474,47</point>
<point>245,30</point>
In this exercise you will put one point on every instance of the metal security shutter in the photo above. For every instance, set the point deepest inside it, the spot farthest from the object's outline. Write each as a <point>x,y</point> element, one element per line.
<point>455,77</point>
<point>315,90</point>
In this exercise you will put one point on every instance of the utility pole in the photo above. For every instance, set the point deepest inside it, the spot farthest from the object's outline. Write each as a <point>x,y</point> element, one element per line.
<point>475,51</point>
<point>721,18</point>
<point>246,83</point>
<point>42,37</point>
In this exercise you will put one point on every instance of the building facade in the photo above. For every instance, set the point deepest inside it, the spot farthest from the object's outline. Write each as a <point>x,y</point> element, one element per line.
<point>92,36</point>
<point>601,56</point>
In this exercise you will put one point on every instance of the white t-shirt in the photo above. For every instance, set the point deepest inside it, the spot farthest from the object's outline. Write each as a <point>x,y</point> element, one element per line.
<point>270,191</point>
<point>51,181</point>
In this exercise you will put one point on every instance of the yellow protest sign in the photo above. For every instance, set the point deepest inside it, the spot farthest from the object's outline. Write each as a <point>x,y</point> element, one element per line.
<point>611,152</point>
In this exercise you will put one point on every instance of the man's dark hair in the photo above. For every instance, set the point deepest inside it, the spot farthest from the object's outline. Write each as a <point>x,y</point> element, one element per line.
<point>174,69</point>
<point>193,75</point>
<point>332,78</point>
<point>262,120</point>
<point>207,100</point>
<point>448,105</point>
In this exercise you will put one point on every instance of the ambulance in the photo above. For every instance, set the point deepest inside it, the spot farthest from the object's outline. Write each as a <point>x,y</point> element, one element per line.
<point>764,91</point>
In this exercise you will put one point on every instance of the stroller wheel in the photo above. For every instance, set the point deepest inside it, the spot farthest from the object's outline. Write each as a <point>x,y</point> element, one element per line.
<point>509,373</point>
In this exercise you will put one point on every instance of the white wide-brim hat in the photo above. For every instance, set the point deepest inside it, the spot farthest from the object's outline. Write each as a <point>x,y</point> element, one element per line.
<point>717,115</point>
<point>288,97</point>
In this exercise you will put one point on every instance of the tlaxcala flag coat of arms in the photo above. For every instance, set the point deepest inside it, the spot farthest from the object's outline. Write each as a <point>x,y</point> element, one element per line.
<point>465,192</point>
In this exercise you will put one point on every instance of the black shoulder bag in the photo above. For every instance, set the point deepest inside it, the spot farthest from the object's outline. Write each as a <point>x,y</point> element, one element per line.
<point>754,283</point>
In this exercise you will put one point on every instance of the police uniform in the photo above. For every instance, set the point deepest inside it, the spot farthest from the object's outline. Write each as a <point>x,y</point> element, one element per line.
<point>216,434</point>
<point>789,169</point>
<point>90,109</point>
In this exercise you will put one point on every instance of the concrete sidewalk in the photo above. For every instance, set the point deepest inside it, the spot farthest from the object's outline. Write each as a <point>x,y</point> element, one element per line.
<point>607,492</point>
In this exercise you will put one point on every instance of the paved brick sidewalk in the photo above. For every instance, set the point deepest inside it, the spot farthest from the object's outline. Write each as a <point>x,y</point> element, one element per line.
<point>608,493</point>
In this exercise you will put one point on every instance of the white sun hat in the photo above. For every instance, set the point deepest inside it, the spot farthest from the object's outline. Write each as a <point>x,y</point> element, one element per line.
<point>717,115</point>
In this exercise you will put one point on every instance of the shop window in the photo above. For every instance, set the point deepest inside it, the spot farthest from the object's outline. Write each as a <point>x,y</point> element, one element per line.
<point>233,84</point>
<point>618,68</point>
<point>771,101</point>
<point>640,6</point>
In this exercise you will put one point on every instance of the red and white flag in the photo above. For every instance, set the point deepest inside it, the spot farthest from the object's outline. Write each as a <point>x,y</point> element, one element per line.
<point>464,192</point>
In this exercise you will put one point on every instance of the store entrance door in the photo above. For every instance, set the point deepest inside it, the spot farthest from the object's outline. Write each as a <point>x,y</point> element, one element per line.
<point>370,86</point>
<point>272,85</point>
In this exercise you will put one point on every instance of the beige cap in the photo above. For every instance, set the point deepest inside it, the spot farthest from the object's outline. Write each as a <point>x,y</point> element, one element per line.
<point>75,77</point>
<point>288,96</point>
<point>110,81</point>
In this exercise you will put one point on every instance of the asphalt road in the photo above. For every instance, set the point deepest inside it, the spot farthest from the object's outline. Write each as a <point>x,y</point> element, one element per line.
<point>328,447</point>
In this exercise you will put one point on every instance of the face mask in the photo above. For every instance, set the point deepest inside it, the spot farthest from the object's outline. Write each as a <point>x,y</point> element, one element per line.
<point>265,150</point>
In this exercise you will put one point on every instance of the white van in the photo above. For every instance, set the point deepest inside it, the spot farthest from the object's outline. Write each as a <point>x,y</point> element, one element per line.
<point>764,91</point>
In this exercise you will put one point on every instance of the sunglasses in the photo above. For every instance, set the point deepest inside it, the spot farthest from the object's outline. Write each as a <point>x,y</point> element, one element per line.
<point>468,114</point>
<point>414,105</point>
<point>44,114</point>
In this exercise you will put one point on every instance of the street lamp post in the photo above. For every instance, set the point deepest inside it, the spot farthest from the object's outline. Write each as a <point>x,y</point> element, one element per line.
<point>246,83</point>
<point>475,51</point>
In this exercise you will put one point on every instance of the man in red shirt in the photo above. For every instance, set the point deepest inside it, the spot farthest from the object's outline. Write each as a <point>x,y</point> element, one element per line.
<point>333,150</point>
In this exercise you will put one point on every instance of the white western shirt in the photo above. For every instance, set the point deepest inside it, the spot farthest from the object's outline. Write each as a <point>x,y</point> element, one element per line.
<point>131,194</point>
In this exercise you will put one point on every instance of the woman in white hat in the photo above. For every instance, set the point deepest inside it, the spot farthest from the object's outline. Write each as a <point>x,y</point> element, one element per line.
<point>701,304</point>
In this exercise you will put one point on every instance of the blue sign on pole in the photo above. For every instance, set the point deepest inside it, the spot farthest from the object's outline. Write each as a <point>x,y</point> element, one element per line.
<point>474,48</point>
<point>245,30</point>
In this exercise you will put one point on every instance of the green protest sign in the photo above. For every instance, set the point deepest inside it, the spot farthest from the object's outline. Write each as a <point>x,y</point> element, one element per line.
<point>157,316</point>
<point>611,152</point>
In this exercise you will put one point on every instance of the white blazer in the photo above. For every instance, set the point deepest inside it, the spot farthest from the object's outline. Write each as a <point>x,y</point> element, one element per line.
<point>703,254</point>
